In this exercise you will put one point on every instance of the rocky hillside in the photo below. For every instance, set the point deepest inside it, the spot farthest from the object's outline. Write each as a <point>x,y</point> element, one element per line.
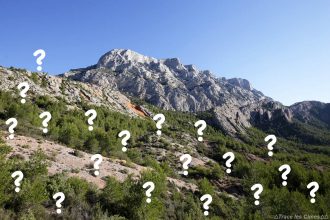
<point>77,163</point>
<point>72,92</point>
<point>60,159</point>
<point>232,103</point>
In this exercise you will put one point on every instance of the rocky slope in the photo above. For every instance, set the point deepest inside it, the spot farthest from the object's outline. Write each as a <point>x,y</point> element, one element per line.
<point>169,84</point>
<point>72,92</point>
<point>62,159</point>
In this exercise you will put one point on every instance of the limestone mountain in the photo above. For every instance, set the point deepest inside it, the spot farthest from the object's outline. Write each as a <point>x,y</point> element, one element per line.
<point>167,83</point>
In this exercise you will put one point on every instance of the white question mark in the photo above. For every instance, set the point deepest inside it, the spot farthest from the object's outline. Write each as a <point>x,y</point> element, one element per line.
<point>187,160</point>
<point>42,54</point>
<point>127,135</point>
<point>59,201</point>
<point>90,119</point>
<point>46,120</point>
<point>315,187</point>
<point>98,160</point>
<point>206,204</point>
<point>23,91</point>
<point>270,144</point>
<point>287,169</point>
<point>258,192</point>
<point>202,125</point>
<point>228,162</point>
<point>160,118</point>
<point>151,186</point>
<point>13,125</point>
<point>18,180</point>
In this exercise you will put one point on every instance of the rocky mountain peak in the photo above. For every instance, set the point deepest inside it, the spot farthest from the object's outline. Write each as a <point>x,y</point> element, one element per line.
<point>117,57</point>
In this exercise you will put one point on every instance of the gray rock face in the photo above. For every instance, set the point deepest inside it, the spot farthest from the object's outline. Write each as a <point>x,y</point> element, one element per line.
<point>169,84</point>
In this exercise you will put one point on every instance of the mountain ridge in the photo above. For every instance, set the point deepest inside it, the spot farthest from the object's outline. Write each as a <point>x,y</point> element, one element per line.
<point>169,84</point>
<point>107,60</point>
<point>231,105</point>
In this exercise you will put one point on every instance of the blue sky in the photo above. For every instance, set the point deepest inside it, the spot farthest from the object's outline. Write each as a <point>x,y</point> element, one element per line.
<point>282,47</point>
